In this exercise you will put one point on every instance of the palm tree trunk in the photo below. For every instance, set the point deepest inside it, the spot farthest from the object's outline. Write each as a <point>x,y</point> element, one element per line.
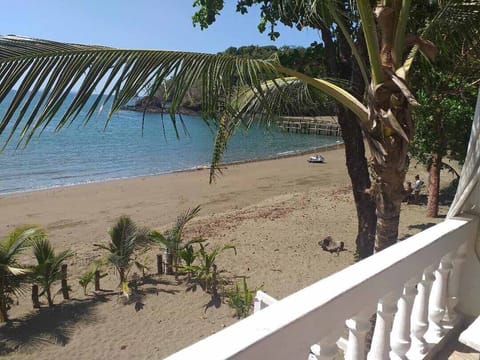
<point>388,187</point>
<point>357,167</point>
<point>340,64</point>
<point>388,218</point>
<point>388,201</point>
<point>434,186</point>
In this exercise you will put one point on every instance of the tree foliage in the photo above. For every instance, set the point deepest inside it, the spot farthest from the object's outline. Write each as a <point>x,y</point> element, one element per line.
<point>52,69</point>
<point>445,118</point>
<point>48,269</point>
<point>310,60</point>
<point>126,238</point>
<point>14,275</point>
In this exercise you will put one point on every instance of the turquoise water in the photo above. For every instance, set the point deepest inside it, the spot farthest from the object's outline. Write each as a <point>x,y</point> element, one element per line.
<point>82,154</point>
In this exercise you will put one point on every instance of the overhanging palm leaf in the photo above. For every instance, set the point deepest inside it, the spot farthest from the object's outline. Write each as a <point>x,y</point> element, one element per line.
<point>50,71</point>
<point>286,96</point>
<point>46,72</point>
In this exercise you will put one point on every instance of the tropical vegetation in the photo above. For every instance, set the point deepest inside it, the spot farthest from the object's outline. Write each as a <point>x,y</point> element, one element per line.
<point>126,239</point>
<point>310,61</point>
<point>448,94</point>
<point>48,269</point>
<point>206,273</point>
<point>13,275</point>
<point>241,298</point>
<point>237,90</point>
<point>172,240</point>
<point>384,46</point>
<point>127,242</point>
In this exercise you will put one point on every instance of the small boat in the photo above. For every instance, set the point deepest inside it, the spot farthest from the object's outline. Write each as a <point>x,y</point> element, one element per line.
<point>316,159</point>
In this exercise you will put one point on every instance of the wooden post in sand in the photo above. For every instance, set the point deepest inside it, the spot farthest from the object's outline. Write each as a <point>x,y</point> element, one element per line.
<point>169,265</point>
<point>97,280</point>
<point>35,301</point>
<point>159,264</point>
<point>64,282</point>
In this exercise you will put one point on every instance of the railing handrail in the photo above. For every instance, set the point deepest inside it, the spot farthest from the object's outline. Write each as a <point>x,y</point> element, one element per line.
<point>312,313</point>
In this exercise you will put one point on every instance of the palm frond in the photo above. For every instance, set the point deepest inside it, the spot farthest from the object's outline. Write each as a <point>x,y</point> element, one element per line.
<point>225,129</point>
<point>371,39</point>
<point>286,96</point>
<point>45,72</point>
<point>346,34</point>
<point>122,235</point>
<point>43,250</point>
<point>16,271</point>
<point>20,238</point>
<point>177,231</point>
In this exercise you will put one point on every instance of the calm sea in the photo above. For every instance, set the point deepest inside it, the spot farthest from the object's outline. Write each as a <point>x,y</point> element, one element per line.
<point>82,154</point>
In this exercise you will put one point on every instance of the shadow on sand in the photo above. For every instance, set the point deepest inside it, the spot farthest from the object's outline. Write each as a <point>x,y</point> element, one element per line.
<point>420,227</point>
<point>48,325</point>
<point>140,290</point>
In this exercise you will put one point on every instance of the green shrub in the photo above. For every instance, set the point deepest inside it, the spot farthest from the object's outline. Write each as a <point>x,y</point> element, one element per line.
<point>13,275</point>
<point>172,239</point>
<point>241,299</point>
<point>207,273</point>
<point>49,266</point>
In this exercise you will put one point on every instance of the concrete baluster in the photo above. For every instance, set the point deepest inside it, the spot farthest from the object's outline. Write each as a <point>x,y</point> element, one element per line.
<point>438,301</point>
<point>380,348</point>
<point>326,349</point>
<point>459,258</point>
<point>358,327</point>
<point>419,319</point>
<point>400,336</point>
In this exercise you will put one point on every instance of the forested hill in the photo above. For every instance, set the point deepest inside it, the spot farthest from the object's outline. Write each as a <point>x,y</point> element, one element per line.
<point>310,61</point>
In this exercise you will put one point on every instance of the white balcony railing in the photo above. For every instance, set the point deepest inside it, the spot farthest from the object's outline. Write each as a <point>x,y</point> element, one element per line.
<point>412,286</point>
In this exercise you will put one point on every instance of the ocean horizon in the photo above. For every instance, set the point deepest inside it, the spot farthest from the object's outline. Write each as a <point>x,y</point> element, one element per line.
<point>89,153</point>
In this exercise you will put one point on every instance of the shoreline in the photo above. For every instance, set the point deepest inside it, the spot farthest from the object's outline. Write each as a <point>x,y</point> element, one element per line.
<point>294,153</point>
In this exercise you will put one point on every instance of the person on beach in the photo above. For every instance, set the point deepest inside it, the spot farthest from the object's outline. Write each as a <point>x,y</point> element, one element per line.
<point>408,192</point>
<point>416,189</point>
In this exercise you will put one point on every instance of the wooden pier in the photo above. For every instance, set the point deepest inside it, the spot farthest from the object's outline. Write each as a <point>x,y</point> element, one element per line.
<point>321,125</point>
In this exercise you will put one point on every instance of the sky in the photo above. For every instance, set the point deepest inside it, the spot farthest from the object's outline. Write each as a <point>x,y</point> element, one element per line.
<point>139,24</point>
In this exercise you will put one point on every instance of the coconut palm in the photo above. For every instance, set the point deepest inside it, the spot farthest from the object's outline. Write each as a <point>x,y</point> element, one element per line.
<point>13,275</point>
<point>125,239</point>
<point>48,269</point>
<point>206,272</point>
<point>47,71</point>
<point>172,239</point>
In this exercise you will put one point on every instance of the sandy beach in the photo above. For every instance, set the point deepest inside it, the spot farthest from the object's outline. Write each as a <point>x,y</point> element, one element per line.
<point>274,212</point>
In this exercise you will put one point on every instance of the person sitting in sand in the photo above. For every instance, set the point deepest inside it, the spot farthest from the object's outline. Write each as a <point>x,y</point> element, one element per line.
<point>408,192</point>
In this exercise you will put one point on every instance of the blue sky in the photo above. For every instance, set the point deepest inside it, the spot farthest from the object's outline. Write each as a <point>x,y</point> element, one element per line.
<point>140,24</point>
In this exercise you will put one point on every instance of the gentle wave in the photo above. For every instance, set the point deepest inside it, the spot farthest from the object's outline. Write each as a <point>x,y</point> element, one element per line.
<point>19,190</point>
